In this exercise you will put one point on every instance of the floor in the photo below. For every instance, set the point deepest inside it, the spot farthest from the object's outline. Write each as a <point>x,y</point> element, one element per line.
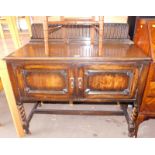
<point>70,126</point>
<point>66,125</point>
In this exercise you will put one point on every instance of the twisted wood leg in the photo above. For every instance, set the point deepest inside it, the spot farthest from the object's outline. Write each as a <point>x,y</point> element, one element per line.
<point>132,122</point>
<point>23,117</point>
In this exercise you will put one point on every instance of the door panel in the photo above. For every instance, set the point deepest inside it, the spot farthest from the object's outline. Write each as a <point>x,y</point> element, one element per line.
<point>47,81</point>
<point>109,81</point>
<point>52,82</point>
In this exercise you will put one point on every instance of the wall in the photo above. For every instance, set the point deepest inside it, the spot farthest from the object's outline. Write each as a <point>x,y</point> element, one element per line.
<point>107,19</point>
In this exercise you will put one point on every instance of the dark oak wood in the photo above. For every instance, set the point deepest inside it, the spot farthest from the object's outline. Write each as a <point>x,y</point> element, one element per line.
<point>111,51</point>
<point>111,71</point>
<point>70,74</point>
<point>108,81</point>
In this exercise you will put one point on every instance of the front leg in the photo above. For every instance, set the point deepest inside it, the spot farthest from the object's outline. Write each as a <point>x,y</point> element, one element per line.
<point>23,117</point>
<point>132,122</point>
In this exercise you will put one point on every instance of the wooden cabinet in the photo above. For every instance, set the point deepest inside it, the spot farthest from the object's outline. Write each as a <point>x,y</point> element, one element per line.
<point>47,81</point>
<point>145,38</point>
<point>78,73</point>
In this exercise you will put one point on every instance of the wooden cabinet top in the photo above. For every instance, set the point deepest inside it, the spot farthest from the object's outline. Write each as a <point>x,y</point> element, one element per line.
<point>58,51</point>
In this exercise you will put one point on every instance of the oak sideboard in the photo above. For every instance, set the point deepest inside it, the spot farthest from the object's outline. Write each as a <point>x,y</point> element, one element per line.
<point>78,71</point>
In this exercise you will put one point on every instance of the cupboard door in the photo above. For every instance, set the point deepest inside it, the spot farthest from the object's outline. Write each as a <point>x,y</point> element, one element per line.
<point>44,81</point>
<point>108,81</point>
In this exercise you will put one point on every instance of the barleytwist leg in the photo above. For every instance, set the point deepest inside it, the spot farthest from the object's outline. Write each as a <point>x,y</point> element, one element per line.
<point>23,117</point>
<point>132,121</point>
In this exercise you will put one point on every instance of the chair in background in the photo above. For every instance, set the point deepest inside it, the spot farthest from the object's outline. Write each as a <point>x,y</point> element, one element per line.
<point>91,20</point>
<point>28,23</point>
<point>11,22</point>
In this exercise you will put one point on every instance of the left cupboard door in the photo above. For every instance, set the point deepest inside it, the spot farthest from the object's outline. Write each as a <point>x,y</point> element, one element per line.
<point>43,82</point>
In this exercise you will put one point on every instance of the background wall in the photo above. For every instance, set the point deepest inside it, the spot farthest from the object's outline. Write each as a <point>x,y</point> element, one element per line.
<point>107,19</point>
<point>39,19</point>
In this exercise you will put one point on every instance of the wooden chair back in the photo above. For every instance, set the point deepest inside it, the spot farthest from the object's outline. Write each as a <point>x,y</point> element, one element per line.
<point>73,21</point>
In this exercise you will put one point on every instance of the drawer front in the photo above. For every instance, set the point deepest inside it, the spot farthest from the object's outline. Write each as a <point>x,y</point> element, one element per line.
<point>43,82</point>
<point>109,81</point>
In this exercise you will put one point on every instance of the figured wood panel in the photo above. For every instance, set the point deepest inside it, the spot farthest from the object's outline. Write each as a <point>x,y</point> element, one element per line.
<point>43,81</point>
<point>109,81</point>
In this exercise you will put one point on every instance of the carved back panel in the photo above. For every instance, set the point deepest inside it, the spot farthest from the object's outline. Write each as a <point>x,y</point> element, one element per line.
<point>81,32</point>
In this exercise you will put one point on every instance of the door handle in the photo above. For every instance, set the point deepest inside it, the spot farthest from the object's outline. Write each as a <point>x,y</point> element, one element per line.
<point>72,82</point>
<point>80,82</point>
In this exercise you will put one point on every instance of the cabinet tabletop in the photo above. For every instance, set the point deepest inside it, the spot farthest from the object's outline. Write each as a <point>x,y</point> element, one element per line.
<point>58,51</point>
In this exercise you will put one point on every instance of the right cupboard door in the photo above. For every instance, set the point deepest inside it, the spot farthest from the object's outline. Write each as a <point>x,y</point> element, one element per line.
<point>105,81</point>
